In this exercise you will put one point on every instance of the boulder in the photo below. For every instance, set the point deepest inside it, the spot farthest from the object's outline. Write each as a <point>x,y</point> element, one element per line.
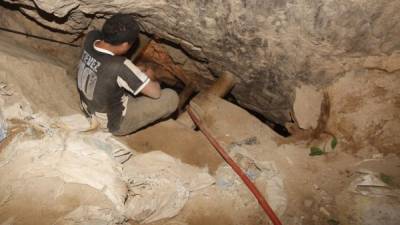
<point>307,107</point>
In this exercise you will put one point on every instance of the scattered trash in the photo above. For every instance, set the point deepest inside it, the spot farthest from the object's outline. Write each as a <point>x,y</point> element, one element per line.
<point>151,187</point>
<point>370,178</point>
<point>160,185</point>
<point>367,202</point>
<point>225,177</point>
<point>372,184</point>
<point>248,141</point>
<point>3,127</point>
<point>264,173</point>
<point>145,187</point>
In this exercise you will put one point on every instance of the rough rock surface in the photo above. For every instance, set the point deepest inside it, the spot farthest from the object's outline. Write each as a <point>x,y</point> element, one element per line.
<point>272,46</point>
<point>17,21</point>
<point>281,167</point>
<point>37,77</point>
<point>307,107</point>
<point>365,111</point>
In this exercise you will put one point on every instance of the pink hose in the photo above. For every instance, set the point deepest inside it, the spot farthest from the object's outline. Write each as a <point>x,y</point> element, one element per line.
<point>252,187</point>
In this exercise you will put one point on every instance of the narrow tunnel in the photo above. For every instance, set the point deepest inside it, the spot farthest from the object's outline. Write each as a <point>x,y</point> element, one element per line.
<point>309,113</point>
<point>174,66</point>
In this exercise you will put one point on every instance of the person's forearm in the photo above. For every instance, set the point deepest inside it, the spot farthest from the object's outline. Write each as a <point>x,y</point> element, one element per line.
<point>152,90</point>
<point>151,76</point>
<point>148,71</point>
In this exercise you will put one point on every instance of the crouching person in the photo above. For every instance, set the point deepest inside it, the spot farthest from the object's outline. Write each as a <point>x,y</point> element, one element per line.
<point>114,91</point>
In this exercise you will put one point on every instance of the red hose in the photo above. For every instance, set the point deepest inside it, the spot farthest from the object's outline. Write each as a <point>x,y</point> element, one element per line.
<point>260,198</point>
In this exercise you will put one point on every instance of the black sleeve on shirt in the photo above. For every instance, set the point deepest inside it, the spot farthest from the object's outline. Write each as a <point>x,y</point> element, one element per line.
<point>131,78</point>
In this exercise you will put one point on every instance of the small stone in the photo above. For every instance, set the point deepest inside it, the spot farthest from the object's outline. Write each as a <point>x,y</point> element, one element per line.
<point>325,197</point>
<point>308,203</point>
<point>251,141</point>
<point>377,156</point>
<point>324,211</point>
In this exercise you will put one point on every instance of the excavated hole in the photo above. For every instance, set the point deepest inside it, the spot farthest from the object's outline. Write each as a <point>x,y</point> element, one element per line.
<point>175,67</point>
<point>298,176</point>
<point>176,77</point>
<point>278,128</point>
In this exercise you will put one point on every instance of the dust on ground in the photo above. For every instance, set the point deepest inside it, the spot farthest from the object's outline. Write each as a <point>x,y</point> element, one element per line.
<point>317,189</point>
<point>177,140</point>
<point>312,184</point>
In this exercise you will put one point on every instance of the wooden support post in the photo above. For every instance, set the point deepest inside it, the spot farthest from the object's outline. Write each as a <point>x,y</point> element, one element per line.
<point>221,87</point>
<point>185,95</point>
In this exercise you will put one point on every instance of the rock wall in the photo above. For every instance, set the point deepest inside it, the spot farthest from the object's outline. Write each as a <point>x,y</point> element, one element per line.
<point>366,112</point>
<point>41,79</point>
<point>272,46</point>
<point>11,19</point>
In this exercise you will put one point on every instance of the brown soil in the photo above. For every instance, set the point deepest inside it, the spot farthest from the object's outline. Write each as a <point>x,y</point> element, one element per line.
<point>178,141</point>
<point>45,210</point>
<point>311,183</point>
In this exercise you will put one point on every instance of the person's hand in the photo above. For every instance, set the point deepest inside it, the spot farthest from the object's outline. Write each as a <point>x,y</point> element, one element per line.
<point>150,73</point>
<point>142,67</point>
<point>148,70</point>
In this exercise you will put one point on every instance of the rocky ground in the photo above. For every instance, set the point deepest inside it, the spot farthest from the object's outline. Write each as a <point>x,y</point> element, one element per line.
<point>340,166</point>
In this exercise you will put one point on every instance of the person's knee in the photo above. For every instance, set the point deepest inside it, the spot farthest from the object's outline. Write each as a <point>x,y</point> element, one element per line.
<point>124,131</point>
<point>119,133</point>
<point>150,110</point>
<point>172,99</point>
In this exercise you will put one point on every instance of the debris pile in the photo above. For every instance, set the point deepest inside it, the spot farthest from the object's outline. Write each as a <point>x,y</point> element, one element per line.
<point>49,164</point>
<point>144,187</point>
